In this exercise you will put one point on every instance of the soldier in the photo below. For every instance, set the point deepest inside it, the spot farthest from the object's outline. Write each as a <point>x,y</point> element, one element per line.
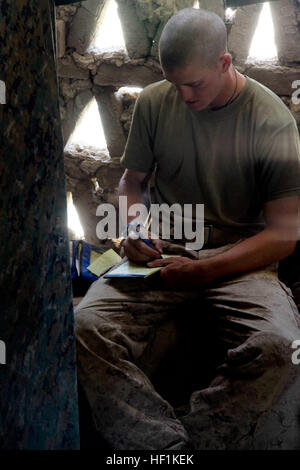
<point>215,137</point>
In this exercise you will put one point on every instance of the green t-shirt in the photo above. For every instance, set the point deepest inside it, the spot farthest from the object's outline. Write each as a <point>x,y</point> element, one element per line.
<point>232,160</point>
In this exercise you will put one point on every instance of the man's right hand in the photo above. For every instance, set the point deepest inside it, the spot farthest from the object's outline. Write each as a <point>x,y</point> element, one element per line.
<point>136,250</point>
<point>135,186</point>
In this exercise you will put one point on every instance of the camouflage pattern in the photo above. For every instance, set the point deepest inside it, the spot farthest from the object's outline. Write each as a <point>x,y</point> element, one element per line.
<point>204,367</point>
<point>38,406</point>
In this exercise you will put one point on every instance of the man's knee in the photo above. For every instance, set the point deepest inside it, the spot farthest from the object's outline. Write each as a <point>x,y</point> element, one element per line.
<point>83,323</point>
<point>264,352</point>
<point>97,336</point>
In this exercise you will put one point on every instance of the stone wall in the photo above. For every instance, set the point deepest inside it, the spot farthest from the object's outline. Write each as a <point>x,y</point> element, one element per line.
<point>38,381</point>
<point>85,73</point>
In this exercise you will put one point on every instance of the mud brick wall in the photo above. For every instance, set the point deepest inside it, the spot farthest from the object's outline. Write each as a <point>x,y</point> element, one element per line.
<point>85,73</point>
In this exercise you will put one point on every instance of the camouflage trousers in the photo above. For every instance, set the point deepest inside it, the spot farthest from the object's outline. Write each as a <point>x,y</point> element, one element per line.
<point>231,347</point>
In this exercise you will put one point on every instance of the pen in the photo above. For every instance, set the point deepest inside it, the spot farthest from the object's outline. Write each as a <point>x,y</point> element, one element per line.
<point>148,243</point>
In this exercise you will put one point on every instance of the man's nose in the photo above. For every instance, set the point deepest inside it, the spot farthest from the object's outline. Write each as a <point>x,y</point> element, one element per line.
<point>185,93</point>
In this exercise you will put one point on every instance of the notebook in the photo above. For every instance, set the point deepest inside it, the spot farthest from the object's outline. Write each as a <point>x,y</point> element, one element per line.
<point>130,269</point>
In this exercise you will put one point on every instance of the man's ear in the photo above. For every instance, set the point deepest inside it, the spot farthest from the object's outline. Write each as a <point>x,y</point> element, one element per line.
<point>225,61</point>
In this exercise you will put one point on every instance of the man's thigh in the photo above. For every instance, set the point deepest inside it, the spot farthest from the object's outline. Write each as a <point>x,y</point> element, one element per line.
<point>250,303</point>
<point>256,321</point>
<point>138,319</point>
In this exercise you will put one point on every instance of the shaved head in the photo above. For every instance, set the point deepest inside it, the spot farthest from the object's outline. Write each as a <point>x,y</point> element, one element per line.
<point>192,35</point>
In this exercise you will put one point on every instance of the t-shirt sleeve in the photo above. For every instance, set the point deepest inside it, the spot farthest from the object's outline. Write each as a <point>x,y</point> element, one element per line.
<point>138,154</point>
<point>279,163</point>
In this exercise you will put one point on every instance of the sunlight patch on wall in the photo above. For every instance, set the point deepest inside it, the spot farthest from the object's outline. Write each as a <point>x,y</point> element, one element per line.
<point>129,89</point>
<point>89,130</point>
<point>263,46</point>
<point>73,220</point>
<point>109,34</point>
<point>230,14</point>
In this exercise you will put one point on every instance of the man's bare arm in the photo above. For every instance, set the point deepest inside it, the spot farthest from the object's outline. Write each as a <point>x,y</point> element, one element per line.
<point>275,242</point>
<point>135,185</point>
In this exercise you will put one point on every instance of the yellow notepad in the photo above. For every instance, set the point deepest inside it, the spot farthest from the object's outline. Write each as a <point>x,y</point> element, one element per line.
<point>104,261</point>
<point>130,269</point>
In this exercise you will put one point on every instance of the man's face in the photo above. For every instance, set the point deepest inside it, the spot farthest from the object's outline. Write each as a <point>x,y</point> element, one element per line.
<point>199,87</point>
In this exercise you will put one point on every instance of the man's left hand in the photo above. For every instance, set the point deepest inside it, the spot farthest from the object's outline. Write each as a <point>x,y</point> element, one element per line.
<point>178,272</point>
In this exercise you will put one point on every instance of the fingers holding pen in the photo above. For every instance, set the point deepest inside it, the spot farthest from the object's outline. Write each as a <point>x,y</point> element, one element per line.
<point>158,244</point>
<point>138,251</point>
